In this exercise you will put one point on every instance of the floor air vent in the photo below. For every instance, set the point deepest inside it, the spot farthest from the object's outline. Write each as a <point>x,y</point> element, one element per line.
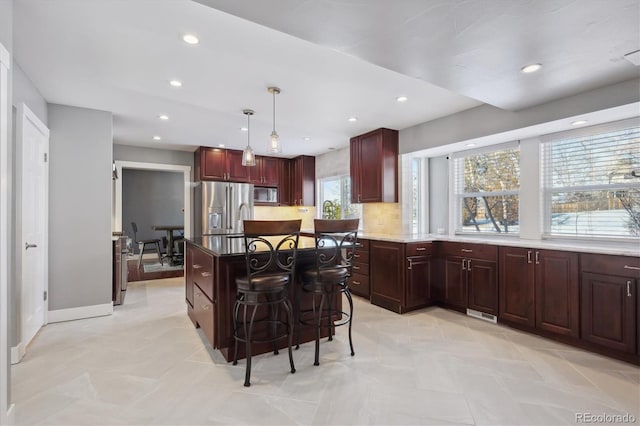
<point>481,315</point>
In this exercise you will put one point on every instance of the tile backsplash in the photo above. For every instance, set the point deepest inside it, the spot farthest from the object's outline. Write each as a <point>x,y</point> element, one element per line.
<point>383,218</point>
<point>306,213</point>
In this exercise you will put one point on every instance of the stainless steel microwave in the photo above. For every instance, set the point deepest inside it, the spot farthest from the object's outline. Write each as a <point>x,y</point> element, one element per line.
<point>263,194</point>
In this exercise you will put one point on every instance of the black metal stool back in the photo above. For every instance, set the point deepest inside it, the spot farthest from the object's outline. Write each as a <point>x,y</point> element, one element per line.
<point>336,242</point>
<point>270,252</point>
<point>142,244</point>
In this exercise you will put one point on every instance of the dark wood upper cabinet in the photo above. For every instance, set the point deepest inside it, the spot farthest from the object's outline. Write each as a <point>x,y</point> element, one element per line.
<point>265,172</point>
<point>220,164</point>
<point>303,181</point>
<point>374,167</point>
<point>285,197</point>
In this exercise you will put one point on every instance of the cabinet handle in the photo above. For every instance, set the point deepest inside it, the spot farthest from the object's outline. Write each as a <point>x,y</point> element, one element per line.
<point>635,268</point>
<point>196,266</point>
<point>464,266</point>
<point>421,248</point>
<point>356,267</point>
<point>355,282</point>
<point>356,256</point>
<point>537,257</point>
<point>466,250</point>
<point>629,288</point>
<point>529,256</point>
<point>205,274</point>
<point>468,264</point>
<point>410,264</point>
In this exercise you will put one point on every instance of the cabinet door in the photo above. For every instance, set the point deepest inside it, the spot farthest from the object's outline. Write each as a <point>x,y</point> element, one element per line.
<point>236,172</point>
<point>270,171</point>
<point>255,173</point>
<point>213,164</point>
<point>370,147</point>
<point>609,311</point>
<point>418,282</point>
<point>355,169</point>
<point>304,181</point>
<point>455,282</point>
<point>557,292</point>
<point>482,284</point>
<point>285,196</point>
<point>517,286</point>
<point>387,263</point>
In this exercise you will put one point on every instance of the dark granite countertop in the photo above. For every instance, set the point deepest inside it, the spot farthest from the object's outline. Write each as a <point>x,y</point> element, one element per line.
<point>233,245</point>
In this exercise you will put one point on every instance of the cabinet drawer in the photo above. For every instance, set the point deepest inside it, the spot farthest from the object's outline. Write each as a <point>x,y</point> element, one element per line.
<point>202,271</point>
<point>359,284</point>
<point>203,310</point>
<point>419,249</point>
<point>476,251</point>
<point>612,265</point>
<point>360,268</point>
<point>362,245</point>
<point>361,257</point>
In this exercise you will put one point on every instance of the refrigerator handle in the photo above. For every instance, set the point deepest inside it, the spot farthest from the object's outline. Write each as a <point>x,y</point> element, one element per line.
<point>231,215</point>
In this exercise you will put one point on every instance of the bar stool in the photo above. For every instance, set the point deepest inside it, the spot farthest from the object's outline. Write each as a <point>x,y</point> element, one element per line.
<point>270,252</point>
<point>335,246</point>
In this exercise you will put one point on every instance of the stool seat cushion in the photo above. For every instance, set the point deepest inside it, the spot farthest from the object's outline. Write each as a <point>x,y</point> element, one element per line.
<point>327,275</point>
<point>265,283</point>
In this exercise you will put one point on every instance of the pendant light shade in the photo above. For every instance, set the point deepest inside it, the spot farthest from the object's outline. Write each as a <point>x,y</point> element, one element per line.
<point>274,141</point>
<point>248,157</point>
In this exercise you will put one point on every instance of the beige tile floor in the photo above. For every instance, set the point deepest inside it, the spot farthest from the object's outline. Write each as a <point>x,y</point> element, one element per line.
<point>146,364</point>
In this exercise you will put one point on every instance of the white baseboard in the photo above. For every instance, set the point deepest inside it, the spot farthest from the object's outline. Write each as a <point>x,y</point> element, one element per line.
<point>81,312</point>
<point>10,417</point>
<point>17,352</point>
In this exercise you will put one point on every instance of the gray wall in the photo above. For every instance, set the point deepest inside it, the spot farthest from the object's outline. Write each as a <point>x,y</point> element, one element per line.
<point>149,198</point>
<point>438,194</point>
<point>487,120</point>
<point>23,91</point>
<point>80,206</point>
<point>149,155</point>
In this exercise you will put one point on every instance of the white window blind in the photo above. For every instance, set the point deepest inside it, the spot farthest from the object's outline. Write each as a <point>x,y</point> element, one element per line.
<point>591,183</point>
<point>486,190</point>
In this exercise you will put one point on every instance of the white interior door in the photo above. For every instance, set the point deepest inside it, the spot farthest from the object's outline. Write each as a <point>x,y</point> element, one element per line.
<point>34,194</point>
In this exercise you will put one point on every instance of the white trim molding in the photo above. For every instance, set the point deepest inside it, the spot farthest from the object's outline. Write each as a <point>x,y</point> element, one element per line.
<point>185,170</point>
<point>17,352</point>
<point>81,312</point>
<point>6,408</point>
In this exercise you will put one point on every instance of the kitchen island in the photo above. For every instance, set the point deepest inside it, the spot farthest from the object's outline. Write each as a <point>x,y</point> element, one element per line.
<point>212,264</point>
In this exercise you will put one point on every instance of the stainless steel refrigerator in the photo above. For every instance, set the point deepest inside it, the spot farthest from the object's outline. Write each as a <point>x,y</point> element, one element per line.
<point>220,207</point>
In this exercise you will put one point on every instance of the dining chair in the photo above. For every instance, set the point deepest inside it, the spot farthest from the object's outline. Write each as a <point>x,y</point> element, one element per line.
<point>335,242</point>
<point>142,244</point>
<point>270,253</point>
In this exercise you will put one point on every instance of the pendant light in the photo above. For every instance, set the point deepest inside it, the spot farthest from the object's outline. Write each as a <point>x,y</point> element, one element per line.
<point>274,144</point>
<point>248,157</point>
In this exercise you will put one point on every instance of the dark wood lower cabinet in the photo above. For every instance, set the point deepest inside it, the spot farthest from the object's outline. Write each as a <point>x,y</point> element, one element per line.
<point>418,282</point>
<point>482,283</point>
<point>455,282</point>
<point>517,286</point>
<point>386,274</point>
<point>557,292</point>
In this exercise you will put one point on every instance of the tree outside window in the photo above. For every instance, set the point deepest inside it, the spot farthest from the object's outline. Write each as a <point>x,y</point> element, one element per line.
<point>335,199</point>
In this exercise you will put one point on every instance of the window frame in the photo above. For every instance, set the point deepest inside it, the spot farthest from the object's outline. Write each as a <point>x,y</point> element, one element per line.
<point>344,197</point>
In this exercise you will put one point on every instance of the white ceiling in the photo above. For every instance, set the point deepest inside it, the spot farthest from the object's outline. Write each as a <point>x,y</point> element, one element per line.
<point>119,55</point>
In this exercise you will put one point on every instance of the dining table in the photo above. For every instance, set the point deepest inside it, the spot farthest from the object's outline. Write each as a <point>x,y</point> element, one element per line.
<point>171,237</point>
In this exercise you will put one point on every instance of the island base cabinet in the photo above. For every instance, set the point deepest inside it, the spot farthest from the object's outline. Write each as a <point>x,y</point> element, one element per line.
<point>203,310</point>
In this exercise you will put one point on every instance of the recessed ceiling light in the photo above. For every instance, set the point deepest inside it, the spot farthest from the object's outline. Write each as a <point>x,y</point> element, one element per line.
<point>243,129</point>
<point>578,122</point>
<point>163,117</point>
<point>402,99</point>
<point>221,145</point>
<point>471,144</point>
<point>352,119</point>
<point>175,83</point>
<point>190,39</point>
<point>307,138</point>
<point>528,69</point>
<point>156,138</point>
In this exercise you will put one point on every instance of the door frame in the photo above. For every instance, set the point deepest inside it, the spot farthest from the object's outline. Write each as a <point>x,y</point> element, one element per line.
<point>24,114</point>
<point>6,408</point>
<point>117,201</point>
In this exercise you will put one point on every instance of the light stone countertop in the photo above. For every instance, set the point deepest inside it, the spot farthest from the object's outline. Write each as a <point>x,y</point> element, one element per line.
<point>583,246</point>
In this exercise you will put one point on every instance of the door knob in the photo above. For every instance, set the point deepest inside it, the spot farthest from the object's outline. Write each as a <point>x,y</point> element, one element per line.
<point>27,246</point>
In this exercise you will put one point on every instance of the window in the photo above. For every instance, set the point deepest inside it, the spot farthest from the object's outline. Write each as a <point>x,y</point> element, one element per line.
<point>335,199</point>
<point>591,183</point>
<point>416,188</point>
<point>486,190</point>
